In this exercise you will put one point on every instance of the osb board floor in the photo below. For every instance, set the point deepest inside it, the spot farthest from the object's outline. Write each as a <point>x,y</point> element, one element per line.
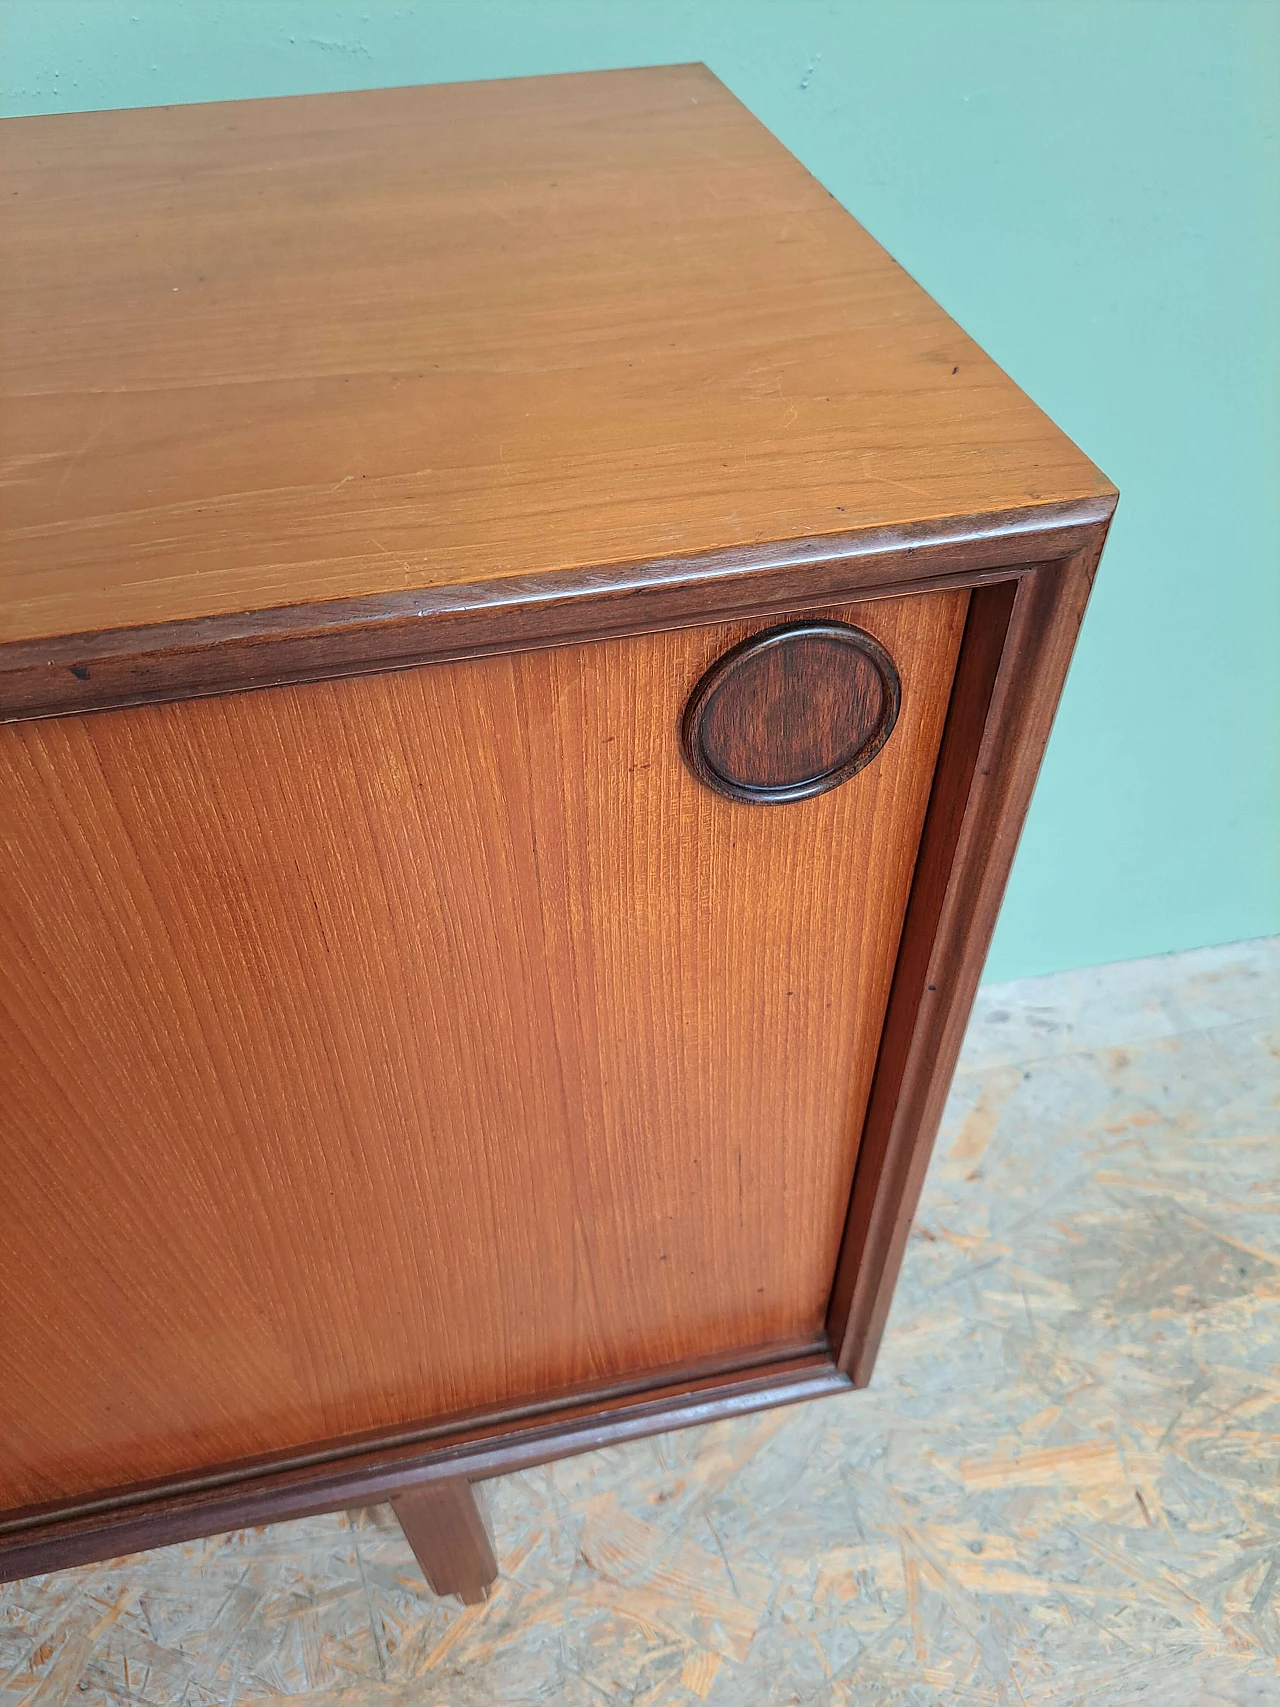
<point>1061,1488</point>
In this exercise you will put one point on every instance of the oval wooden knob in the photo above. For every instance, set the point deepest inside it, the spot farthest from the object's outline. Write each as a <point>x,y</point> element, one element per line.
<point>791,712</point>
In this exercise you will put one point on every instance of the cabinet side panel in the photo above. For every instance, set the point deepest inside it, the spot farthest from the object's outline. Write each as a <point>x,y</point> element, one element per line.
<point>385,1048</point>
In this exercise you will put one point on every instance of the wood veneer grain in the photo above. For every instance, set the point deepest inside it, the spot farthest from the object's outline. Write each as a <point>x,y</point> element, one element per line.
<point>268,354</point>
<point>385,1048</point>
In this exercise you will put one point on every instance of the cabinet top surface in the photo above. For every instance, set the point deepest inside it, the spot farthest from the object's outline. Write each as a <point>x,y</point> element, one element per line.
<point>267,353</point>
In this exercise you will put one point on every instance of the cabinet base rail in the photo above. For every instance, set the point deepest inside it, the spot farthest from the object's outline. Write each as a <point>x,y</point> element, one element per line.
<point>425,1475</point>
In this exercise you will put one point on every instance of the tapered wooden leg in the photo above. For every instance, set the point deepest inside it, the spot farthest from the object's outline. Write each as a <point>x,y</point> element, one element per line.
<point>445,1524</point>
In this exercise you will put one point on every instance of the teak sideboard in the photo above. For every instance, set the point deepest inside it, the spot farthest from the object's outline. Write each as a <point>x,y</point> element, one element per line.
<point>527,642</point>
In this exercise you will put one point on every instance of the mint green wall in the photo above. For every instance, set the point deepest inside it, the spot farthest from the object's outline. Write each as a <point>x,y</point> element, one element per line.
<point>1091,187</point>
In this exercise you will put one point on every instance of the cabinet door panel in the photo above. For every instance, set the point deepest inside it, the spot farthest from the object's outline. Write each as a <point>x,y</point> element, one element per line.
<point>388,1047</point>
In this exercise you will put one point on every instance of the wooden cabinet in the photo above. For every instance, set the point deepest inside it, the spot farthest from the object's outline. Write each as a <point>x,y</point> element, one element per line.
<point>527,644</point>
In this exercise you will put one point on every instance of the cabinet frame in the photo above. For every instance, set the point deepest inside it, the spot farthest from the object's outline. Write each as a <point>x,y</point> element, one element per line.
<point>1030,572</point>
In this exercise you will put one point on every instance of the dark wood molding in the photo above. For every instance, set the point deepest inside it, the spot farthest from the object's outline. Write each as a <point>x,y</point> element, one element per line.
<point>54,1537</point>
<point>1023,618</point>
<point>322,1454</point>
<point>446,1525</point>
<point>1017,645</point>
<point>239,651</point>
<point>791,712</point>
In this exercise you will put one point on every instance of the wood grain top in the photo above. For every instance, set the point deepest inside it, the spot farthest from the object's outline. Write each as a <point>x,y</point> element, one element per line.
<point>271,353</point>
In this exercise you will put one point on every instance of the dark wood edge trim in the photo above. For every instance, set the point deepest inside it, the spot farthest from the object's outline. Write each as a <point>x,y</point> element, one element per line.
<point>452,1425</point>
<point>1017,646</point>
<point>233,653</point>
<point>72,1536</point>
<point>1018,640</point>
